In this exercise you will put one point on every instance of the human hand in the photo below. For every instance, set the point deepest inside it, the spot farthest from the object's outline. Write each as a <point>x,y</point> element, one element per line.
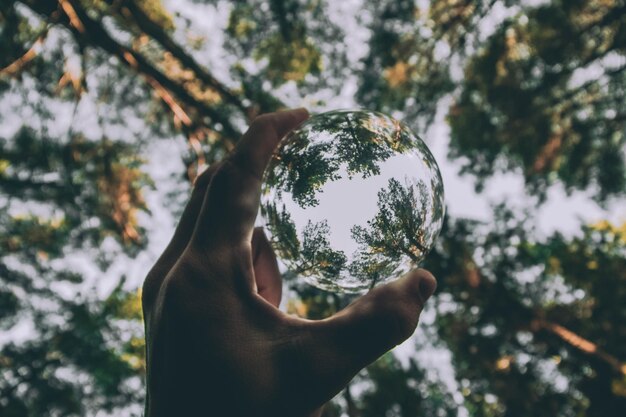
<point>217,344</point>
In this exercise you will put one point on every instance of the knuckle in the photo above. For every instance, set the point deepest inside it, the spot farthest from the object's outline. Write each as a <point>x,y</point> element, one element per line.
<point>262,123</point>
<point>198,262</point>
<point>203,180</point>
<point>262,120</point>
<point>239,165</point>
<point>152,284</point>
<point>226,169</point>
<point>187,282</point>
<point>149,290</point>
<point>259,239</point>
<point>223,178</point>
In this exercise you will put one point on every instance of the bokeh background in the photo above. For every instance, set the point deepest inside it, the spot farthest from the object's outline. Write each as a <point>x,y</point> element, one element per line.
<point>109,108</point>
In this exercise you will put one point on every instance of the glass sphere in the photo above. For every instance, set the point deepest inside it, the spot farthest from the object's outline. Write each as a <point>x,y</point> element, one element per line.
<point>352,199</point>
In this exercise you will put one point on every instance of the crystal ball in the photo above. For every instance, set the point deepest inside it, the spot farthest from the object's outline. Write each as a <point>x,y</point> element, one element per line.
<point>352,199</point>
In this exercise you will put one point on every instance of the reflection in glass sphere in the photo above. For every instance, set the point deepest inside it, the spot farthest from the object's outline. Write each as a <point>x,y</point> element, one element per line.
<point>352,199</point>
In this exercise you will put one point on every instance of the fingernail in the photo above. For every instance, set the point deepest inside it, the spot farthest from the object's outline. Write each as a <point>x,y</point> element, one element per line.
<point>302,109</point>
<point>427,287</point>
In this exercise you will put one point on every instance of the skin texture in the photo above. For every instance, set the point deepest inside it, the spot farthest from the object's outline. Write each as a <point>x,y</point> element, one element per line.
<point>217,345</point>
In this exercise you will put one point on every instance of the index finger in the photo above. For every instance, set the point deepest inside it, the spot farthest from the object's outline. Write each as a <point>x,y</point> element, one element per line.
<point>232,201</point>
<point>254,150</point>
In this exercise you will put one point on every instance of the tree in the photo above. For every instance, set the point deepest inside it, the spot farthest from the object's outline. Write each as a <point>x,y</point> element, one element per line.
<point>313,156</point>
<point>318,257</point>
<point>394,392</point>
<point>403,50</point>
<point>525,328</point>
<point>564,122</point>
<point>88,88</point>
<point>396,235</point>
<point>301,168</point>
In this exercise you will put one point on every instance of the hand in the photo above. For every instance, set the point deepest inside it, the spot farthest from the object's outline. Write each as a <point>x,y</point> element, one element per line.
<point>217,345</point>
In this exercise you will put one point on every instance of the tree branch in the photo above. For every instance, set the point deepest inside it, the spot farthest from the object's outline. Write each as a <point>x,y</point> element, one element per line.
<point>86,28</point>
<point>536,323</point>
<point>580,343</point>
<point>20,64</point>
<point>152,29</point>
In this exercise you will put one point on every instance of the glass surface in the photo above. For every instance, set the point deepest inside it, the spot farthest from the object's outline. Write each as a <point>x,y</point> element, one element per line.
<point>351,200</point>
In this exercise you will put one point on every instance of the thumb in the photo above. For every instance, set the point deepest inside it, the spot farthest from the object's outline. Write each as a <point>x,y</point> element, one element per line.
<point>355,337</point>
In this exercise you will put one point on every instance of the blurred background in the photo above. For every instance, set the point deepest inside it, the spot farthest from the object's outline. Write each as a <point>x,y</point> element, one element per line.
<point>108,109</point>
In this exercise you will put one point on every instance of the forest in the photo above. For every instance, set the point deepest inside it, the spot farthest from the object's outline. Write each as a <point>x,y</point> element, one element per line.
<point>109,109</point>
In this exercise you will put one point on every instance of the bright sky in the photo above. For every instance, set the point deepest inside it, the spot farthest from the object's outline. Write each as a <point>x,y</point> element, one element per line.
<point>346,202</point>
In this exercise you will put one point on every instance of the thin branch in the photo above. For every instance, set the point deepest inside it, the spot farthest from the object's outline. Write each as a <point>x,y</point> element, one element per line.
<point>537,323</point>
<point>20,64</point>
<point>581,344</point>
<point>21,184</point>
<point>138,62</point>
<point>155,31</point>
<point>286,27</point>
<point>610,17</point>
<point>192,131</point>
<point>85,27</point>
<point>70,11</point>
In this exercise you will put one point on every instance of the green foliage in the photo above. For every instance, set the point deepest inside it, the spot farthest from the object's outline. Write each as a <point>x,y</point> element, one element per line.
<point>91,192</point>
<point>530,317</point>
<point>394,232</point>
<point>526,102</point>
<point>403,392</point>
<point>318,254</point>
<point>102,176</point>
<point>302,169</point>
<point>280,224</point>
<point>395,224</point>
<point>285,38</point>
<point>289,61</point>
<point>157,13</point>
<point>401,70</point>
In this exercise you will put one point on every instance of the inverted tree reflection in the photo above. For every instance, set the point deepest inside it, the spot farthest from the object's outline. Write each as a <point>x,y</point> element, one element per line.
<point>397,231</point>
